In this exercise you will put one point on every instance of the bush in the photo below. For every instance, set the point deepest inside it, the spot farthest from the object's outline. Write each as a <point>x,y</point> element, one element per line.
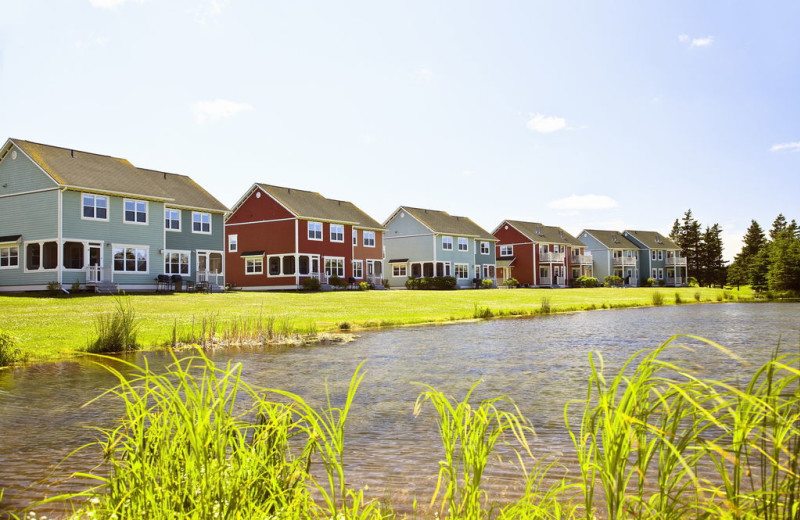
<point>435,282</point>
<point>54,288</point>
<point>311,284</point>
<point>336,282</point>
<point>386,283</point>
<point>587,281</point>
<point>613,281</point>
<point>662,283</point>
<point>116,332</point>
<point>8,354</point>
<point>692,281</point>
<point>649,282</point>
<point>487,283</point>
<point>511,282</point>
<point>363,286</point>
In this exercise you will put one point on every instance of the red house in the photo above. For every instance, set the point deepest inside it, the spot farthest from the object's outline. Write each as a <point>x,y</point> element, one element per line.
<point>538,255</point>
<point>277,237</point>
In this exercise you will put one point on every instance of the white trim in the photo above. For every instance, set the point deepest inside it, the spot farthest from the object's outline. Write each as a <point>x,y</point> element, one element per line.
<point>480,247</point>
<point>361,268</point>
<point>324,267</point>
<point>107,208</point>
<point>260,221</point>
<point>234,242</point>
<point>321,230</point>
<point>253,258</point>
<point>411,236</point>
<point>510,252</point>
<point>210,220</point>
<point>466,271</point>
<point>399,265</point>
<point>443,243</point>
<point>180,220</point>
<point>41,256</point>
<point>331,233</point>
<point>281,274</point>
<point>364,238</point>
<point>9,246</point>
<point>136,212</point>
<point>124,260</point>
<point>168,252</point>
<point>466,244</point>
<point>43,190</point>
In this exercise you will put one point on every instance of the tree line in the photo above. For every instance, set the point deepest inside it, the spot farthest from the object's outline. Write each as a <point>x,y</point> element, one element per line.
<point>769,262</point>
<point>702,249</point>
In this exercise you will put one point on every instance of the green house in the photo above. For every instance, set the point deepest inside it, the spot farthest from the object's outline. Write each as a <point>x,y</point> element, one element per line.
<point>92,221</point>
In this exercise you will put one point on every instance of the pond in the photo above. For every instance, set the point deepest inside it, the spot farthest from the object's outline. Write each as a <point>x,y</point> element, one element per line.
<point>541,363</point>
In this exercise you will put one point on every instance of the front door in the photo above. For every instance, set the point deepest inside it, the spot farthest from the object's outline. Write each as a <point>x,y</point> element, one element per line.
<point>95,273</point>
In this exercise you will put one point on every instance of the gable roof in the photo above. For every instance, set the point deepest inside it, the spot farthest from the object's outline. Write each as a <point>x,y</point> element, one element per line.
<point>540,233</point>
<point>102,173</point>
<point>443,223</point>
<point>653,239</point>
<point>311,205</point>
<point>611,239</point>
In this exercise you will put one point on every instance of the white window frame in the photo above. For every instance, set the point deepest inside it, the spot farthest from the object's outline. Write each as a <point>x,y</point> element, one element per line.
<point>253,265</point>
<point>447,243</point>
<point>464,271</point>
<point>358,269</point>
<point>654,273</point>
<point>399,270</point>
<point>355,237</point>
<point>136,211</point>
<point>660,273</point>
<point>489,271</point>
<point>5,252</point>
<point>167,211</point>
<point>660,254</point>
<point>197,218</point>
<point>369,238</point>
<point>485,248</point>
<point>314,230</point>
<point>136,250</point>
<point>339,261</point>
<point>653,255</point>
<point>462,241</point>
<point>169,252</point>
<point>233,243</point>
<point>506,250</point>
<point>336,232</point>
<point>94,206</point>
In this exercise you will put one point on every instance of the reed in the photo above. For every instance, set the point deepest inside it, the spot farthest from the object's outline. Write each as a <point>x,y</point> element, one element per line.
<point>9,353</point>
<point>116,332</point>
<point>657,298</point>
<point>678,298</point>
<point>545,305</point>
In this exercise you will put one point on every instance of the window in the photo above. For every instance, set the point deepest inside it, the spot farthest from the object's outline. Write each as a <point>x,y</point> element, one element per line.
<point>477,271</point>
<point>176,262</point>
<point>9,257</point>
<point>653,254</point>
<point>201,222</point>
<point>488,271</point>
<point>355,237</point>
<point>135,211</point>
<point>337,233</point>
<point>484,248</point>
<point>358,269</point>
<point>447,243</point>
<point>303,264</point>
<point>660,274</point>
<point>172,219</point>
<point>399,270</point>
<point>288,265</point>
<point>95,207</point>
<point>254,265</point>
<point>544,272</point>
<point>654,273</point>
<point>462,244</point>
<point>660,255</point>
<point>34,257</point>
<point>462,271</point>
<point>41,255</point>
<point>334,267</point>
<point>369,239</point>
<point>285,265</point>
<point>72,257</point>
<point>233,243</point>
<point>314,230</point>
<point>506,250</point>
<point>130,259</point>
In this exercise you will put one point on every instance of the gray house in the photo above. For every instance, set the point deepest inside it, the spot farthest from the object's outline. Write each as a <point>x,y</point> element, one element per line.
<point>660,258</point>
<point>424,242</point>
<point>612,254</point>
<point>78,218</point>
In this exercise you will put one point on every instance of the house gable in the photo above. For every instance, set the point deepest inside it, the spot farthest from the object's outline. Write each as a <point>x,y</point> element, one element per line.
<point>20,174</point>
<point>258,206</point>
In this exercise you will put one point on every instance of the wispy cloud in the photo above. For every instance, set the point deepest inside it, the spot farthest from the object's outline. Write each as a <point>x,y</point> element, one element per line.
<point>546,124</point>
<point>207,9</point>
<point>110,4</point>
<point>696,42</point>
<point>795,147</point>
<point>423,75</point>
<point>217,109</point>
<point>583,202</point>
<point>98,41</point>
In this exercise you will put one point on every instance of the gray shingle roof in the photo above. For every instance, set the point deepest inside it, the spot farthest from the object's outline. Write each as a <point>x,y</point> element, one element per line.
<point>312,205</point>
<point>549,234</point>
<point>184,191</point>
<point>444,223</point>
<point>653,239</point>
<point>612,239</point>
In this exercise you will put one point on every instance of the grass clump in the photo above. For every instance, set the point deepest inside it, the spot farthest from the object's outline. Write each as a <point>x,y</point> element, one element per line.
<point>544,307</point>
<point>678,298</point>
<point>9,353</point>
<point>657,298</point>
<point>482,313</point>
<point>116,332</point>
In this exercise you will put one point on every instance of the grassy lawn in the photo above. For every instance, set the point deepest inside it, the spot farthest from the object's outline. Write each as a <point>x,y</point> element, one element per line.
<point>51,328</point>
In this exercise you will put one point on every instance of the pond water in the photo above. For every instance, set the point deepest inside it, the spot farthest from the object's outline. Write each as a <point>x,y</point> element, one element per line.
<point>541,363</point>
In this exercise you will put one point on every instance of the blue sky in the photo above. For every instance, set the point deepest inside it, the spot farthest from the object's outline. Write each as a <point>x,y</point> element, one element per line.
<point>611,115</point>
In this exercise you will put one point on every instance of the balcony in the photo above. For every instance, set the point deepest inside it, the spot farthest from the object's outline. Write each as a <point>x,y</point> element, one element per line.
<point>581,259</point>
<point>676,261</point>
<point>551,257</point>
<point>625,260</point>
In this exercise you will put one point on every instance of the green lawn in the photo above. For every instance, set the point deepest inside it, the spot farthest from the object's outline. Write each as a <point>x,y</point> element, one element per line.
<point>51,328</point>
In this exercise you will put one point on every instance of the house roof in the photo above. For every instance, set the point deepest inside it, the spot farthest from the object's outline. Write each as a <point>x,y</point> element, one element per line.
<point>611,239</point>
<point>653,239</point>
<point>102,173</point>
<point>184,191</point>
<point>549,234</point>
<point>312,205</point>
<point>444,223</point>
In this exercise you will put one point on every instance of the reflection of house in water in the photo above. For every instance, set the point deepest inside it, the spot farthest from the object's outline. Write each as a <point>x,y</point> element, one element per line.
<point>74,217</point>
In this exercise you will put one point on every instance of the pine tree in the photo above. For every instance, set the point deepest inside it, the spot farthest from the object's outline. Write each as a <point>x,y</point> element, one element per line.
<point>784,260</point>
<point>688,237</point>
<point>711,264</point>
<point>742,270</point>
<point>778,225</point>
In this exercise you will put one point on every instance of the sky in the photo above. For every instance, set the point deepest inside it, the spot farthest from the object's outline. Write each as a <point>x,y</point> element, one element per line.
<point>580,114</point>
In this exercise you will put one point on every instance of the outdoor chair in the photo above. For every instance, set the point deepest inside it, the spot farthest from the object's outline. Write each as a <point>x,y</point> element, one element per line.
<point>164,283</point>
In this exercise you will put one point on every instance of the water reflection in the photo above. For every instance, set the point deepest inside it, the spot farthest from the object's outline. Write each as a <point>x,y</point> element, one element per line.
<point>541,363</point>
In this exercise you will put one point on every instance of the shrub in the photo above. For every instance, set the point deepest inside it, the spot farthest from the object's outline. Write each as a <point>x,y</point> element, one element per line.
<point>511,282</point>
<point>116,332</point>
<point>54,288</point>
<point>8,354</point>
<point>336,282</point>
<point>487,283</point>
<point>662,283</point>
<point>692,281</point>
<point>697,296</point>
<point>613,281</point>
<point>363,286</point>
<point>386,283</point>
<point>436,282</point>
<point>587,281</point>
<point>75,287</point>
<point>311,284</point>
<point>649,282</point>
<point>345,325</point>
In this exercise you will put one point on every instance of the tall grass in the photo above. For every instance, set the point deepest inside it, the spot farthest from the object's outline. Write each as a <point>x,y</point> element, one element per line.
<point>9,353</point>
<point>545,305</point>
<point>116,332</point>
<point>210,331</point>
<point>657,298</point>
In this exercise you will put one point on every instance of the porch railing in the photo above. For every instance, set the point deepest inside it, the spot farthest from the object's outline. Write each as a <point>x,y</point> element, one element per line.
<point>551,257</point>
<point>581,259</point>
<point>206,276</point>
<point>676,261</point>
<point>625,260</point>
<point>99,274</point>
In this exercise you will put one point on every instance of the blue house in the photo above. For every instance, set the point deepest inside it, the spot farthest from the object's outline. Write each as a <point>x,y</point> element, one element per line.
<point>612,254</point>
<point>660,258</point>
<point>86,220</point>
<point>421,243</point>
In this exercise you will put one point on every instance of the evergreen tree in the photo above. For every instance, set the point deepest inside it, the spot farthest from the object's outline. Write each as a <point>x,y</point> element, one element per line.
<point>688,236</point>
<point>758,270</point>
<point>712,266</point>
<point>778,225</point>
<point>784,260</point>
<point>741,270</point>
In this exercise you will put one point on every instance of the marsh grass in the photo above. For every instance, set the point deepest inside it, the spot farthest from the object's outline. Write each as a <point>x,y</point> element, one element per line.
<point>9,353</point>
<point>211,331</point>
<point>544,307</point>
<point>116,331</point>
<point>657,298</point>
<point>678,298</point>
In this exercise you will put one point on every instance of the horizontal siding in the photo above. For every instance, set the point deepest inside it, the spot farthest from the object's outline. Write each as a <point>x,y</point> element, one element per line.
<point>21,174</point>
<point>186,240</point>
<point>33,215</point>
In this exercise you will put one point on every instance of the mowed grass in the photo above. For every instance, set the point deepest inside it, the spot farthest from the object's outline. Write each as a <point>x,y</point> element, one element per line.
<point>52,328</point>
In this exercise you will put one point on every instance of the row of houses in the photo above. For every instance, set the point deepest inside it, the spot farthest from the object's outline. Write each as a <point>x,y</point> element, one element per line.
<point>80,219</point>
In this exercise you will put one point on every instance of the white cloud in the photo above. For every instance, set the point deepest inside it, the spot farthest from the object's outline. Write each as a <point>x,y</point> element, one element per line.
<point>583,202</point>
<point>684,38</point>
<point>217,109</point>
<point>99,41</point>
<point>546,124</point>
<point>696,42</point>
<point>423,75</point>
<point>368,139</point>
<point>795,147</point>
<point>110,4</point>
<point>207,9</point>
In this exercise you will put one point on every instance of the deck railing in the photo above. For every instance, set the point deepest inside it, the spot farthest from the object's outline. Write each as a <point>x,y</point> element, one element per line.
<point>551,257</point>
